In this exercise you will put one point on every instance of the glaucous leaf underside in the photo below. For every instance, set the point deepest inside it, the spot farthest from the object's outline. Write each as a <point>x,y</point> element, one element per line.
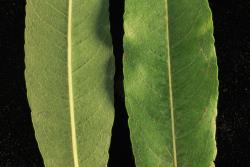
<point>69,77</point>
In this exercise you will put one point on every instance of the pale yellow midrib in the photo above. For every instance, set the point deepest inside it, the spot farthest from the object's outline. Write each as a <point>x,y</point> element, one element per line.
<point>70,85</point>
<point>170,86</point>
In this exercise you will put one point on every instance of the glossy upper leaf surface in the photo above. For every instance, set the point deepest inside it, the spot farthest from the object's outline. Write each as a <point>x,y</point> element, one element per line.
<point>69,76</point>
<point>171,82</point>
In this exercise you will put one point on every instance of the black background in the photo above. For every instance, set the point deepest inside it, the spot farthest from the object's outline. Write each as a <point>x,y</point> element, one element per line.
<point>18,147</point>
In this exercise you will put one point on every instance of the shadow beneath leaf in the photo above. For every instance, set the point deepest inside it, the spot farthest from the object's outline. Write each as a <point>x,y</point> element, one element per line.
<point>120,148</point>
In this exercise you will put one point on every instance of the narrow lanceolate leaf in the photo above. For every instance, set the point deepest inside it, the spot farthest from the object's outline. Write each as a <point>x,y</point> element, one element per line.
<point>170,82</point>
<point>69,74</point>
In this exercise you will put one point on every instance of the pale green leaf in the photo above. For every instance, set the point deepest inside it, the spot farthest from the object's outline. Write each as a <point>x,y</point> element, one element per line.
<point>69,77</point>
<point>171,85</point>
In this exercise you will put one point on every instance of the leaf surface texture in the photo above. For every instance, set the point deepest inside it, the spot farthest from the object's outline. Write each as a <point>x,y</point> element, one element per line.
<point>170,79</point>
<point>69,77</point>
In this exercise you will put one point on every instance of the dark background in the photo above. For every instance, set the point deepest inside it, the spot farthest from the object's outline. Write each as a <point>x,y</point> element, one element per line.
<point>18,147</point>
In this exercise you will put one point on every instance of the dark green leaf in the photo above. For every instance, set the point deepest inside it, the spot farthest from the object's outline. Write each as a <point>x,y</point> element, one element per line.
<point>171,82</point>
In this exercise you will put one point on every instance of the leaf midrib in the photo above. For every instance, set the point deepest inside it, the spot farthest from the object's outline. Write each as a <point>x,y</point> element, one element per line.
<point>170,84</point>
<point>70,84</point>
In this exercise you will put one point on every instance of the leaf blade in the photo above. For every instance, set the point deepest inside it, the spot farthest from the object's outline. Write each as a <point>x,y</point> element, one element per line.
<point>48,68</point>
<point>147,82</point>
